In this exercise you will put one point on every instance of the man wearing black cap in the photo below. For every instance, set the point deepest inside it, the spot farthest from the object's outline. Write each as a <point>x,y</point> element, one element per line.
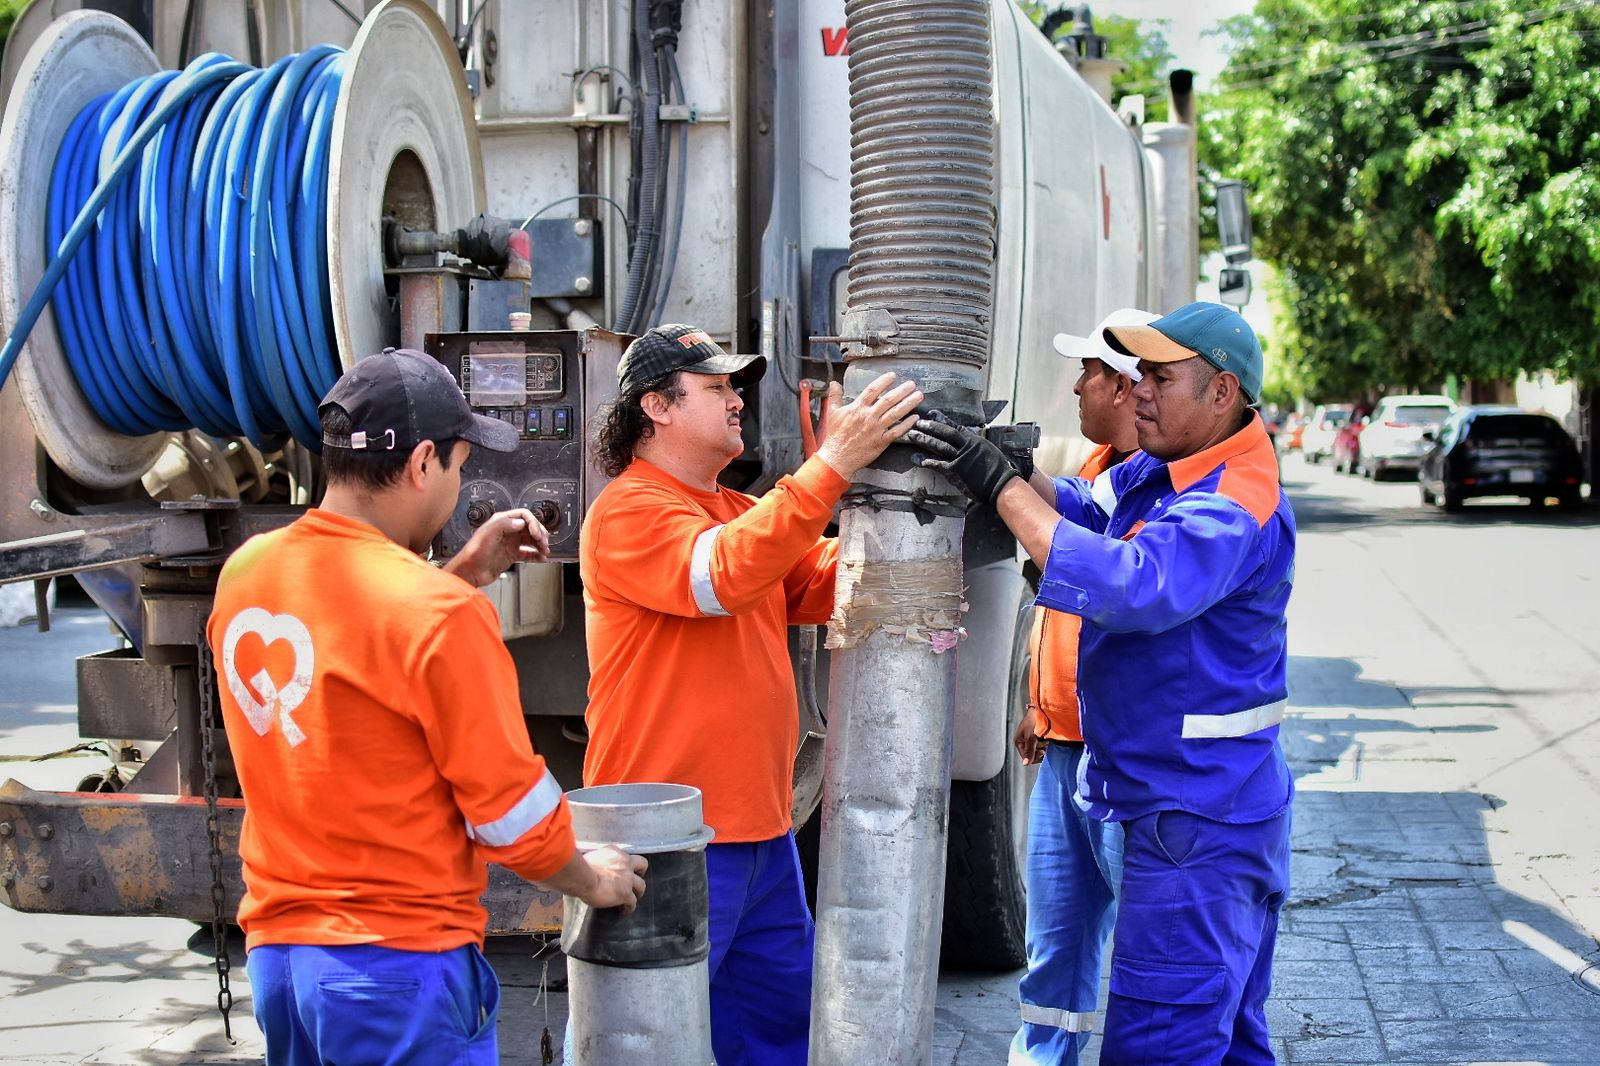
<point>375,724</point>
<point>1180,567</point>
<point>689,589</point>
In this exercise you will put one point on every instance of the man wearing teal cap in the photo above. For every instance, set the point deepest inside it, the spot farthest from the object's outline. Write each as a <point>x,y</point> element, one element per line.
<point>1179,561</point>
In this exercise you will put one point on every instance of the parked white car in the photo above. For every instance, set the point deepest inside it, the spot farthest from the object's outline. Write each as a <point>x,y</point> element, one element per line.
<point>1326,421</point>
<point>1392,439</point>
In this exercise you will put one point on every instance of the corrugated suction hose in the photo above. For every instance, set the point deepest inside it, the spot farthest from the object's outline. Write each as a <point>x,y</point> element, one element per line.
<point>922,225</point>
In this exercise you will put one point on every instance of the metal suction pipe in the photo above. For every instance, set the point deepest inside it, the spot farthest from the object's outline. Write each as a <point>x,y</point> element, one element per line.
<point>638,985</point>
<point>922,242</point>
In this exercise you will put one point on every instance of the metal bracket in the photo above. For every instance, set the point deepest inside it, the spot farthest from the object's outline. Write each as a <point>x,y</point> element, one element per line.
<point>54,554</point>
<point>869,328</point>
<point>146,855</point>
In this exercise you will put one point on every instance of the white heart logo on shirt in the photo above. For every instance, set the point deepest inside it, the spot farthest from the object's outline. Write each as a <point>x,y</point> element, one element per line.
<point>261,699</point>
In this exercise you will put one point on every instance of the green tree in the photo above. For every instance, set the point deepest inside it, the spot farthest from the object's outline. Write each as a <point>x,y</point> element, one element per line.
<point>1141,44</point>
<point>9,10</point>
<point>1423,177</point>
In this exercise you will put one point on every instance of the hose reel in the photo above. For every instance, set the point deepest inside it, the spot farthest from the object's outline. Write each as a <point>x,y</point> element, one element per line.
<point>403,148</point>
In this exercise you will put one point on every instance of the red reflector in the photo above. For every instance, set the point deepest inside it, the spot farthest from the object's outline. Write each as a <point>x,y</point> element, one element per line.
<point>1572,481</point>
<point>1469,481</point>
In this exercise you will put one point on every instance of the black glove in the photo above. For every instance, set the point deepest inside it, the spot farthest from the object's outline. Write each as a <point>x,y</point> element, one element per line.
<point>974,466</point>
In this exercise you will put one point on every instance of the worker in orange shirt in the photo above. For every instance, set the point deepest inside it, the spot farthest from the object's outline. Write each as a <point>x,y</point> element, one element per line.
<point>1074,861</point>
<point>375,724</point>
<point>689,588</point>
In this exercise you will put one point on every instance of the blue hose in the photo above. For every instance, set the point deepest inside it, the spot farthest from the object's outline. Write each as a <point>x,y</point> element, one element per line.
<point>198,201</point>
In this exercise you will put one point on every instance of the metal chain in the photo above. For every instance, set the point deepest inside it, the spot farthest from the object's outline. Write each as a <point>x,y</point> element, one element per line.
<point>547,1047</point>
<point>219,892</point>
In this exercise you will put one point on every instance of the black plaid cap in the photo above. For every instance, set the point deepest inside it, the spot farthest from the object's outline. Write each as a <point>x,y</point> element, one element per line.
<point>659,351</point>
<point>400,398</point>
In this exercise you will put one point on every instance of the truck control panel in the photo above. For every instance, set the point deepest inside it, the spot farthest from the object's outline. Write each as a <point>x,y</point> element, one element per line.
<point>535,382</point>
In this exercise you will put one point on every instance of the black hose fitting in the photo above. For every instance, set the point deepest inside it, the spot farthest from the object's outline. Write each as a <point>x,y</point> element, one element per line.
<point>666,22</point>
<point>669,927</point>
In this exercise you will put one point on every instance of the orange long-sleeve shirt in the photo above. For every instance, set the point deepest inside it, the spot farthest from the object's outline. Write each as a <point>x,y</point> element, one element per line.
<point>375,725</point>
<point>1053,674</point>
<point>688,595</point>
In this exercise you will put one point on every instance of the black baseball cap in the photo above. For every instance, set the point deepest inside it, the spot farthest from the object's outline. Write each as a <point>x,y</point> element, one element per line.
<point>659,351</point>
<point>402,397</point>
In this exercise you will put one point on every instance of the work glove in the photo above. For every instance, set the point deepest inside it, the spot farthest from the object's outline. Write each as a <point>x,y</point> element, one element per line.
<point>976,467</point>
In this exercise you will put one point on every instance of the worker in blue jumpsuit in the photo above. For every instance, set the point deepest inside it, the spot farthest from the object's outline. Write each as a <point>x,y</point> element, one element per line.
<point>1181,584</point>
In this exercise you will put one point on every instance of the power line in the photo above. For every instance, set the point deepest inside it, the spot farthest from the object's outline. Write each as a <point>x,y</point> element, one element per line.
<point>1368,16</point>
<point>1470,33</point>
<point>1435,36</point>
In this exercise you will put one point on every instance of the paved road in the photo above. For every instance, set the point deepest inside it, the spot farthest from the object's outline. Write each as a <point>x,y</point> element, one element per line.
<point>1444,735</point>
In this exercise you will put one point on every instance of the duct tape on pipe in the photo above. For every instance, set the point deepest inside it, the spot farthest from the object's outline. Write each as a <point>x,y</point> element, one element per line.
<point>904,599</point>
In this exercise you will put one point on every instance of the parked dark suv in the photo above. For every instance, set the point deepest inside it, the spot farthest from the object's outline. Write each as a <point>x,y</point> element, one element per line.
<point>1500,451</point>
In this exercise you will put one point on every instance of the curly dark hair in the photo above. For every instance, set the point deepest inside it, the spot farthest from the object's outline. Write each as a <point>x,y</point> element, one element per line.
<point>367,469</point>
<point>622,423</point>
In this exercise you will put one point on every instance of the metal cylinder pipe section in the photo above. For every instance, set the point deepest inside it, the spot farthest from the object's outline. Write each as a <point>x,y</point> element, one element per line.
<point>638,985</point>
<point>886,782</point>
<point>919,299</point>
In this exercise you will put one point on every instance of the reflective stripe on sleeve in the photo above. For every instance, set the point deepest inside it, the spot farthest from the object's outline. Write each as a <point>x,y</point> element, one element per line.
<point>537,804</point>
<point>1104,493</point>
<point>1238,724</point>
<point>1056,1018</point>
<point>705,596</point>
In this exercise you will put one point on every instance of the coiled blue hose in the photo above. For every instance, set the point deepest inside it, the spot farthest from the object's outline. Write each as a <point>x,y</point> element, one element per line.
<point>200,298</point>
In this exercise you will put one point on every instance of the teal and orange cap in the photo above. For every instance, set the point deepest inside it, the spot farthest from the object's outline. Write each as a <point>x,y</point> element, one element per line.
<point>1215,333</point>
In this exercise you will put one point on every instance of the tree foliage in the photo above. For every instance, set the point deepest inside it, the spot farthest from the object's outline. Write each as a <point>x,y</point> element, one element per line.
<point>1426,179</point>
<point>1141,44</point>
<point>9,11</point>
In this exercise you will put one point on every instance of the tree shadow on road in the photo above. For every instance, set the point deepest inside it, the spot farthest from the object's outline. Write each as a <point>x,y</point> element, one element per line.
<point>1400,943</point>
<point>1316,681</point>
<point>96,1004</point>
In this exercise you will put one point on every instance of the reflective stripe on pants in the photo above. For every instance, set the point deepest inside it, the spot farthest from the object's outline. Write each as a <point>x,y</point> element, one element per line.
<point>1056,1018</point>
<point>1074,864</point>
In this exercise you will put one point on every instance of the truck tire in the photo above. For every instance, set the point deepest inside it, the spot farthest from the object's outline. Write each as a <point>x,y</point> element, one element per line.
<point>985,894</point>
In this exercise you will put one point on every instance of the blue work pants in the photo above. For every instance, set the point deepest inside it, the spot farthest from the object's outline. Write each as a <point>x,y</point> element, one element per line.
<point>364,1005</point>
<point>1197,920</point>
<point>762,938</point>
<point>1074,865</point>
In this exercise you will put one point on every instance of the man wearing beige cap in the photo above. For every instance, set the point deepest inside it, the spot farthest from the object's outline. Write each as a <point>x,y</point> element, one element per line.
<point>1181,587</point>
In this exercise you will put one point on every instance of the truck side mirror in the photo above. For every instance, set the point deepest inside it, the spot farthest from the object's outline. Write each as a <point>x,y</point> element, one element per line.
<point>1233,286</point>
<point>1233,221</point>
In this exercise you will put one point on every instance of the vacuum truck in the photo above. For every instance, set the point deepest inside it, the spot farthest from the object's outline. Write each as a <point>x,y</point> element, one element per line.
<point>517,189</point>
